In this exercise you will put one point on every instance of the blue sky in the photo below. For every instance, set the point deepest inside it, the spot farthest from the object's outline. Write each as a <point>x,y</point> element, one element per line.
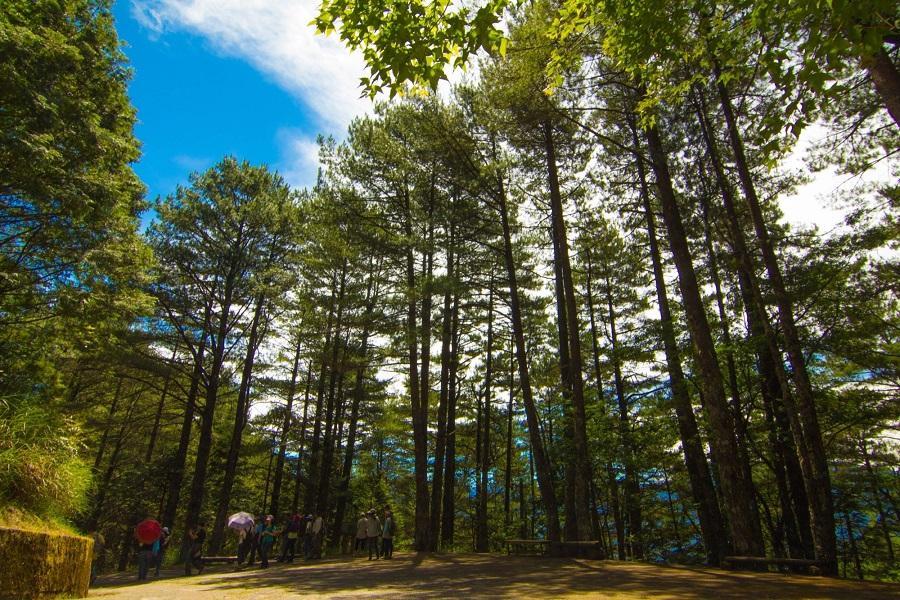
<point>241,77</point>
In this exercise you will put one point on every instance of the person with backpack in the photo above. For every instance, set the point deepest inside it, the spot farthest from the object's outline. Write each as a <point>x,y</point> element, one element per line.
<point>266,541</point>
<point>291,534</point>
<point>159,549</point>
<point>387,534</point>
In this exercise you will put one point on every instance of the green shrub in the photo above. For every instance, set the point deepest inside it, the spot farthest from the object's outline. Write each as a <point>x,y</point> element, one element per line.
<point>39,466</point>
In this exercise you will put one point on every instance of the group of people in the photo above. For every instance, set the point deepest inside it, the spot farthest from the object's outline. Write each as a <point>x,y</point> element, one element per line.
<point>262,537</point>
<point>370,530</point>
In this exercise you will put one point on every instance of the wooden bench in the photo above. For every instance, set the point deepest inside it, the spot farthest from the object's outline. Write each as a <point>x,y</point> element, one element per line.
<point>578,549</point>
<point>793,564</point>
<point>211,560</point>
<point>539,547</point>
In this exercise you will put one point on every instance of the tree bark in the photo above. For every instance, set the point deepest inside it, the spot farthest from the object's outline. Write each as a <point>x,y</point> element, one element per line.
<point>542,461</point>
<point>440,442</point>
<point>736,491</point>
<point>712,524</point>
<point>241,414</point>
<point>275,501</point>
<point>884,75</point>
<point>821,501</point>
<point>579,437</point>
<point>448,509</point>
<point>176,471</point>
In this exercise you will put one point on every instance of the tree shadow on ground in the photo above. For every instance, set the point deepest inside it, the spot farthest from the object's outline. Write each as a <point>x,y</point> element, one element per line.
<point>474,575</point>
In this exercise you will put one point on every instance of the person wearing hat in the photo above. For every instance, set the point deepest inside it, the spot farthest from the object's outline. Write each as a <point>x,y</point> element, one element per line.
<point>159,549</point>
<point>267,540</point>
<point>373,530</point>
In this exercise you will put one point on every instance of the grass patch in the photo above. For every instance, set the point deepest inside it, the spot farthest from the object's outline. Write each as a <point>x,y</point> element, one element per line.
<point>14,517</point>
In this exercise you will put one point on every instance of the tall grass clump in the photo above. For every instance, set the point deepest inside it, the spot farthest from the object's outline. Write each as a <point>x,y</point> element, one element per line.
<point>40,471</point>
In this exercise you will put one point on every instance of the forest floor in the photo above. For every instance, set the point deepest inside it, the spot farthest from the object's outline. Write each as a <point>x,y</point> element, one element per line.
<point>449,576</point>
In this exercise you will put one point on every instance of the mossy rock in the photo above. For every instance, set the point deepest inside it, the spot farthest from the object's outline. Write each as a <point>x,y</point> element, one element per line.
<point>43,565</point>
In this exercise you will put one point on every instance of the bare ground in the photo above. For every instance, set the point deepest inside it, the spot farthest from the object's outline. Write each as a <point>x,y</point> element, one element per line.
<point>483,576</point>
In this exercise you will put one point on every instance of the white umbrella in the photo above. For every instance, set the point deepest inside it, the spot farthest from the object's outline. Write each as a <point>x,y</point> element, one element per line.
<point>241,520</point>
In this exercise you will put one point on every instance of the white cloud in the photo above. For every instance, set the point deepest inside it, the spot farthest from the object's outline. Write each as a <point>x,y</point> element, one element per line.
<point>299,162</point>
<point>275,37</point>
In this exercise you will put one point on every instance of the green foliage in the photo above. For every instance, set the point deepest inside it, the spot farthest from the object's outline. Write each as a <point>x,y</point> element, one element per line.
<point>40,470</point>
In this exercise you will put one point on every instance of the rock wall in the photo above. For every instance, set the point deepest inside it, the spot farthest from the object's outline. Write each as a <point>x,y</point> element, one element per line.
<point>43,565</point>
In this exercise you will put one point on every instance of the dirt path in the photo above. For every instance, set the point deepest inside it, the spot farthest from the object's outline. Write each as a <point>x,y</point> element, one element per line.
<point>484,576</point>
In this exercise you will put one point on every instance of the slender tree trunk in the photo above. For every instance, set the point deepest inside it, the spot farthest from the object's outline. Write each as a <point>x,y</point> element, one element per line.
<point>176,473</point>
<point>420,432</point>
<point>241,416</point>
<point>736,491</point>
<point>712,524</point>
<point>739,424</point>
<point>613,484</point>
<point>821,502</point>
<point>440,442</point>
<point>275,502</point>
<point>542,461</point>
<point>204,444</point>
<point>109,417</point>
<point>632,489</point>
<point>876,496</point>
<point>757,317</point>
<point>507,482</point>
<point>448,512</point>
<point>154,433</point>
<point>298,475</point>
<point>579,438</point>
<point>854,551</point>
<point>313,462</point>
<point>481,528</point>
<point>335,372</point>
<point>359,391</point>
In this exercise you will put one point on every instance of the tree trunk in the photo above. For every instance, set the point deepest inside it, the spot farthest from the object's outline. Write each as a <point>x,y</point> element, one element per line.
<point>420,431</point>
<point>821,502</point>
<point>507,481</point>
<point>712,524</point>
<point>440,442</point>
<point>884,75</point>
<point>448,512</point>
<point>542,461</point>
<point>298,475</point>
<point>632,488</point>
<point>204,444</point>
<point>274,503</point>
<point>736,491</point>
<point>154,433</point>
<point>241,414</point>
<point>101,450</point>
<point>579,438</point>
<point>358,395</point>
<point>481,525</point>
<point>312,463</point>
<point>176,472</point>
<point>323,500</point>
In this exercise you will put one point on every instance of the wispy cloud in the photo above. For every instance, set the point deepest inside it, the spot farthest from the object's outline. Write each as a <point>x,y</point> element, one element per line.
<point>192,163</point>
<point>274,37</point>
<point>299,163</point>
